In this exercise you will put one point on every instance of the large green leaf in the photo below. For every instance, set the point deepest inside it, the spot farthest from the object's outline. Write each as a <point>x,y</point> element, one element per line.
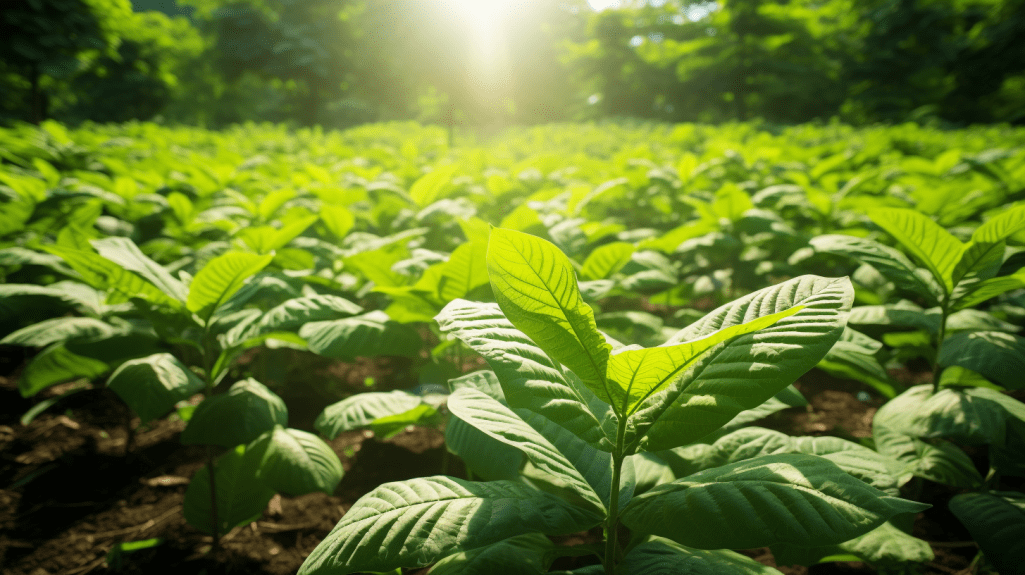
<point>934,247</point>
<point>465,271</point>
<point>939,461</point>
<point>488,458</point>
<point>660,556</point>
<point>606,260</point>
<point>245,412</point>
<point>965,415</point>
<point>528,376</point>
<point>888,261</point>
<point>293,314</point>
<point>56,364</point>
<point>338,220</point>
<point>432,185</point>
<point>121,284</point>
<point>1001,227</point>
<point>1000,357</point>
<point>883,546</point>
<point>529,554</point>
<point>295,462</point>
<point>360,410</point>
<point>370,334</point>
<point>873,468</point>
<point>414,523</point>
<point>636,374</point>
<point>535,285</point>
<point>152,385</point>
<point>989,289</point>
<point>58,330</point>
<point>220,279</point>
<point>996,521</point>
<point>241,497</point>
<point>744,372</point>
<point>500,423</point>
<point>126,254</point>
<point>784,498</point>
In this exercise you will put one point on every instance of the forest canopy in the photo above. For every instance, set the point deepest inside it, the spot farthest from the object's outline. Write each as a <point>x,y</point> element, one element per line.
<point>339,63</point>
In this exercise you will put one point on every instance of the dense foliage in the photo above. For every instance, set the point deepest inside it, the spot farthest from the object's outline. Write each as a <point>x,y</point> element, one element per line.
<point>345,62</point>
<point>639,296</point>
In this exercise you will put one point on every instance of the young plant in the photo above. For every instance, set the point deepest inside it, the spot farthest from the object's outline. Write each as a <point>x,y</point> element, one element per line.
<point>582,413</point>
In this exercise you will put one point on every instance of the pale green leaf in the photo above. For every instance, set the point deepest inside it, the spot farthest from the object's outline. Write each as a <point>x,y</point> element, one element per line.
<point>371,334</point>
<point>126,254</point>
<point>990,288</point>
<point>746,371</point>
<point>220,279</point>
<point>338,220</point>
<point>415,523</point>
<point>528,376</point>
<point>121,284</point>
<point>636,374</point>
<point>500,423</point>
<point>488,458</point>
<point>786,498</point>
<point>606,260</point>
<point>934,247</point>
<point>58,330</point>
<point>528,554</point>
<point>894,265</point>
<point>360,410</point>
<point>431,186</point>
<point>535,285</point>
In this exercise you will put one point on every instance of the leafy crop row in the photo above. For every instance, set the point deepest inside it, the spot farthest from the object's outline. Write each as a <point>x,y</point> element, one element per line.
<point>639,295</point>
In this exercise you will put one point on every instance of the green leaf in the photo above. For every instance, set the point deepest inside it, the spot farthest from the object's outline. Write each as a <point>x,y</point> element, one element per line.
<point>902,314</point>
<point>1001,227</point>
<point>56,364</point>
<point>151,386</point>
<point>338,220</point>
<point>989,289</point>
<point>535,285</point>
<point>390,425</point>
<point>121,284</point>
<point>529,554</point>
<point>241,415</point>
<point>293,314</point>
<point>977,257</point>
<point>431,186</point>
<point>873,468</point>
<point>996,521</point>
<point>295,462</point>
<point>360,410</point>
<point>636,374</point>
<point>958,414</point>
<point>367,335</point>
<point>502,424</point>
<point>486,457</point>
<point>850,361</point>
<point>934,247</point>
<point>528,376</point>
<point>884,545</point>
<point>220,279</point>
<point>417,522</point>
<point>126,254</point>
<point>888,261</point>
<point>999,357</point>
<point>939,461</point>
<point>660,556</point>
<point>606,260</point>
<point>58,330</point>
<point>785,498</point>
<point>746,371</point>
<point>241,497</point>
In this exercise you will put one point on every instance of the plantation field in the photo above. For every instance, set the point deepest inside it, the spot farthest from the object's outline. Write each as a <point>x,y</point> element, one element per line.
<point>583,348</point>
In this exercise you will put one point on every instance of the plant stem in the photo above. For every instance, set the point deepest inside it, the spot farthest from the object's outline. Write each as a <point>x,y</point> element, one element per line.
<point>612,521</point>
<point>936,369</point>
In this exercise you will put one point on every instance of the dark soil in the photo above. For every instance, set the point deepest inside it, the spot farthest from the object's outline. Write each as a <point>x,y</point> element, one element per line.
<point>71,493</point>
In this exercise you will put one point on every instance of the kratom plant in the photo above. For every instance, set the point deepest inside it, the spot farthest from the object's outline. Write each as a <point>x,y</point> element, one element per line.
<point>582,413</point>
<point>248,419</point>
<point>923,427</point>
